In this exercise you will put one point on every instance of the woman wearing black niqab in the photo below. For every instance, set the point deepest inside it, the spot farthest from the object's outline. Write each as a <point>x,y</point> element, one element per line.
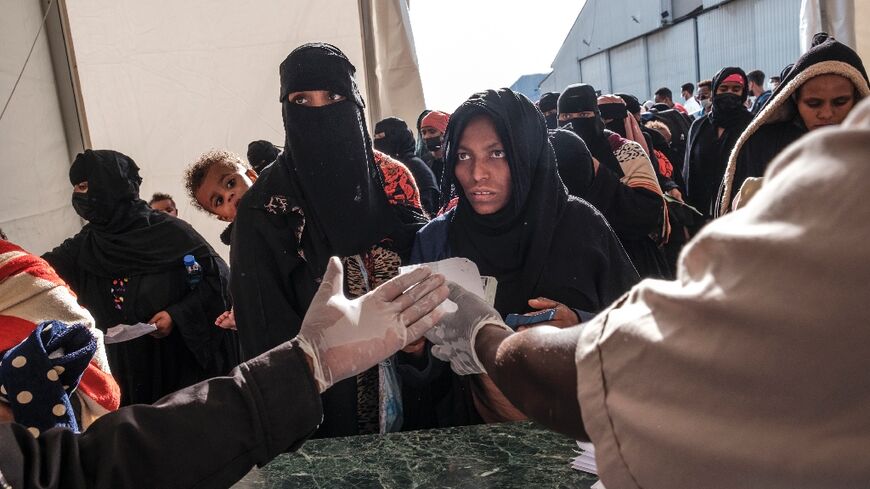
<point>328,194</point>
<point>126,266</point>
<point>711,139</point>
<point>397,141</point>
<point>542,243</point>
<point>625,186</point>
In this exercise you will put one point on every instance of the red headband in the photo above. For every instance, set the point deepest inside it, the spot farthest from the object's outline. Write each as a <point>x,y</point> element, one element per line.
<point>733,78</point>
<point>436,119</point>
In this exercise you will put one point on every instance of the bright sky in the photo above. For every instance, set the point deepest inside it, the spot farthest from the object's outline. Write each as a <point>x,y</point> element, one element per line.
<point>465,46</point>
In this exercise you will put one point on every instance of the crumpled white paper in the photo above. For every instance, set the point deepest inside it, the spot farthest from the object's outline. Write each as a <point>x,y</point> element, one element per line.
<point>127,332</point>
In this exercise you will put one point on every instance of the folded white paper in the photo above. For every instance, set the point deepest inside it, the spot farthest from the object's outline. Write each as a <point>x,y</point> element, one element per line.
<point>460,271</point>
<point>127,332</point>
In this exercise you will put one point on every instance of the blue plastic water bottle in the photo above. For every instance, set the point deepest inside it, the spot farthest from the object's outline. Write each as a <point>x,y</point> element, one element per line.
<point>194,271</point>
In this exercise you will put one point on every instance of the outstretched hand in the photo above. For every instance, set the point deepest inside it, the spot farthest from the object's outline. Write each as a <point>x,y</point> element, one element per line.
<point>344,337</point>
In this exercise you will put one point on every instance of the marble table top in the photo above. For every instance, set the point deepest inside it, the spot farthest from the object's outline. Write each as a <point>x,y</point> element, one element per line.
<point>483,456</point>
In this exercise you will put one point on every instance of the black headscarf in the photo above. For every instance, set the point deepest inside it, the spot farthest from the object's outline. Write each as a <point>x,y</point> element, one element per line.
<point>574,160</point>
<point>261,153</point>
<point>330,158</point>
<point>124,236</point>
<point>512,243</point>
<point>421,150</point>
<point>632,104</point>
<point>616,114</point>
<point>547,103</point>
<point>581,97</point>
<point>398,141</point>
<point>729,110</point>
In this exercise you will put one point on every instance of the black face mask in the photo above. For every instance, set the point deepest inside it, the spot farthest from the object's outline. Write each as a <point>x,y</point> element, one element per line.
<point>89,210</point>
<point>328,150</point>
<point>727,102</point>
<point>383,146</point>
<point>552,123</point>
<point>433,144</point>
<point>588,128</point>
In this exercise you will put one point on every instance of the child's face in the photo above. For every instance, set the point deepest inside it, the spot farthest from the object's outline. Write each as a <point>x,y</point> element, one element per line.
<point>223,188</point>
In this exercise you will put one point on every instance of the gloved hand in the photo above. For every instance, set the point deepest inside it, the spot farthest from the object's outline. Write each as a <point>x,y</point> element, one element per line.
<point>345,337</point>
<point>454,335</point>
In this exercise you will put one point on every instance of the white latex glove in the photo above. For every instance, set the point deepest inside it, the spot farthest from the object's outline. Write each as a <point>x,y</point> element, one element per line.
<point>454,335</point>
<point>345,337</point>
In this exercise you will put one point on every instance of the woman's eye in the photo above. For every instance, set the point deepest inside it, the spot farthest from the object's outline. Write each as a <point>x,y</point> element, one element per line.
<point>335,97</point>
<point>299,100</point>
<point>841,101</point>
<point>498,153</point>
<point>463,156</point>
<point>813,104</point>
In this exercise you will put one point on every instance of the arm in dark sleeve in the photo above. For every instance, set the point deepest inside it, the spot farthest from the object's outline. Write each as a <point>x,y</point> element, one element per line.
<point>194,315</point>
<point>64,259</point>
<point>632,212</point>
<point>207,435</point>
<point>260,284</point>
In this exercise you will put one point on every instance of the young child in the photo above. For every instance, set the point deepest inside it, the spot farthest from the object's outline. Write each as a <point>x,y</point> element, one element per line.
<point>215,184</point>
<point>217,181</point>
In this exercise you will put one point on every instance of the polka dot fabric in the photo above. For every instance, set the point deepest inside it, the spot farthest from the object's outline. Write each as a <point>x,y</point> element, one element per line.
<point>38,375</point>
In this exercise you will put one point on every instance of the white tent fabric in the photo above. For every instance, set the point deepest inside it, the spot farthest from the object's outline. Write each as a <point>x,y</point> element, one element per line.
<point>399,91</point>
<point>35,209</point>
<point>836,17</point>
<point>165,81</point>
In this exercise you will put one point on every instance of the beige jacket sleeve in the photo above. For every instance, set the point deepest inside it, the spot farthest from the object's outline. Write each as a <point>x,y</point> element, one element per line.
<point>751,369</point>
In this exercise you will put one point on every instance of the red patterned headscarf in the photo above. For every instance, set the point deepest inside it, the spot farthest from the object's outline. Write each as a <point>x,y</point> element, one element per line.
<point>436,119</point>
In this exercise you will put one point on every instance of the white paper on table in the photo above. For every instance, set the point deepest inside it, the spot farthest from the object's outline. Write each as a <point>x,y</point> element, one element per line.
<point>127,332</point>
<point>586,460</point>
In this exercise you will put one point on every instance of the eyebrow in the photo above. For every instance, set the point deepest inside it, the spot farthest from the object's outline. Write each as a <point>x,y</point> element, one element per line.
<point>491,146</point>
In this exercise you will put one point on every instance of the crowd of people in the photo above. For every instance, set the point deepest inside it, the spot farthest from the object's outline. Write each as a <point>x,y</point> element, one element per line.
<point>565,204</point>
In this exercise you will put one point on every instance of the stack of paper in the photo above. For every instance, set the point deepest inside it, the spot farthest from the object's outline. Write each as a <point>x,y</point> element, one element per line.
<point>586,460</point>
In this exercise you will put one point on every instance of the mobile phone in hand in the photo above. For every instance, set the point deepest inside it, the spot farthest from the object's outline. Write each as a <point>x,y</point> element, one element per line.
<point>514,321</point>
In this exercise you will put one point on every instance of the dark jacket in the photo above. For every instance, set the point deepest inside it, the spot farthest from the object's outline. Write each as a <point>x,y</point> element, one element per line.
<point>207,435</point>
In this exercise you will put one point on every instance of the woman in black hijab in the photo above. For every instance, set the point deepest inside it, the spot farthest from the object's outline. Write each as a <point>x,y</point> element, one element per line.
<point>328,194</point>
<point>515,219</point>
<point>574,160</point>
<point>127,266</point>
<point>712,137</point>
<point>547,106</point>
<point>393,138</point>
<point>625,186</point>
<point>819,90</point>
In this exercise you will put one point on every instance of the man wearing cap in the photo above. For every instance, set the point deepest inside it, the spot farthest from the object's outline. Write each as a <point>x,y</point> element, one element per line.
<point>432,129</point>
